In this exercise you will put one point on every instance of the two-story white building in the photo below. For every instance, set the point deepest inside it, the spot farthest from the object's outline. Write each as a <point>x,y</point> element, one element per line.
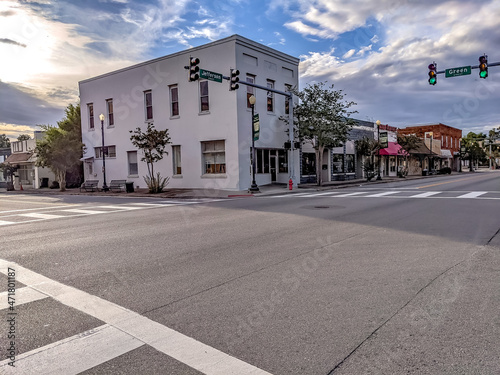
<point>209,125</point>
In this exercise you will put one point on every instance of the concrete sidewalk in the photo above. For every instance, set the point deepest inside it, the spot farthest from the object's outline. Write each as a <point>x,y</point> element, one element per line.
<point>274,189</point>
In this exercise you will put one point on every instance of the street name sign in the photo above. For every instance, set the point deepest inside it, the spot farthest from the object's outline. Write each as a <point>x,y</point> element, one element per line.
<point>455,72</point>
<point>211,76</point>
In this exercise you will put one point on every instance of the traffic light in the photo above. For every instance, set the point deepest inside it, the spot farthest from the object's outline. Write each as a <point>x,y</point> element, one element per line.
<point>233,84</point>
<point>483,66</point>
<point>194,69</point>
<point>432,74</point>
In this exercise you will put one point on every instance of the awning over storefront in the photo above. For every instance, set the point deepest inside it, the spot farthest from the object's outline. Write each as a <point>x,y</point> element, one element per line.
<point>393,149</point>
<point>19,157</point>
<point>446,154</point>
<point>87,158</point>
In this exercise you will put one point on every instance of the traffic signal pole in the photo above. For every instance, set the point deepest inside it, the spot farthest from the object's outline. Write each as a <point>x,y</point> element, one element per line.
<point>290,122</point>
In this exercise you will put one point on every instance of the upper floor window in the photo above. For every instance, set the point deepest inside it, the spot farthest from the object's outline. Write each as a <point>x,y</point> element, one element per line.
<point>174,101</point>
<point>90,108</point>
<point>270,96</point>
<point>17,146</point>
<point>109,150</point>
<point>250,90</point>
<point>109,108</point>
<point>288,88</point>
<point>204,105</point>
<point>148,102</point>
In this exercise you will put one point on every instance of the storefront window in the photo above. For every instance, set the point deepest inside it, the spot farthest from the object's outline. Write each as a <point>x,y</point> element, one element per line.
<point>308,163</point>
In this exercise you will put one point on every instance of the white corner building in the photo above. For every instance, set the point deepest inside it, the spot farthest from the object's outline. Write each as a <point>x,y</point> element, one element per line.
<point>210,126</point>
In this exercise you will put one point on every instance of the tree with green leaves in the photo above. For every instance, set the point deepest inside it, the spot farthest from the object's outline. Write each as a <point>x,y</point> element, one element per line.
<point>4,141</point>
<point>61,148</point>
<point>473,148</point>
<point>23,137</point>
<point>368,147</point>
<point>152,143</point>
<point>322,117</point>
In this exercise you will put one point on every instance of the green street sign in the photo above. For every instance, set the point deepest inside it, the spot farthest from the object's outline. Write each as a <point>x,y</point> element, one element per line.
<point>455,72</point>
<point>384,140</point>
<point>211,76</point>
<point>256,127</point>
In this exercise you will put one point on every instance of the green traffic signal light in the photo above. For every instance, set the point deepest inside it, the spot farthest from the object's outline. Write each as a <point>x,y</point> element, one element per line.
<point>483,66</point>
<point>432,74</point>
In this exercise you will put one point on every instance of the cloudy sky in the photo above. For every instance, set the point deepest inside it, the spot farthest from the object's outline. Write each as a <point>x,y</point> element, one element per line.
<point>376,51</point>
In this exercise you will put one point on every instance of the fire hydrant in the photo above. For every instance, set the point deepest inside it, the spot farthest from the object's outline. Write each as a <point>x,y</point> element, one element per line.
<point>290,184</point>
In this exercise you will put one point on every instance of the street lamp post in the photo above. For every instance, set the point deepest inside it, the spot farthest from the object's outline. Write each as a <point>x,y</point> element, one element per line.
<point>253,188</point>
<point>378,150</point>
<point>104,186</point>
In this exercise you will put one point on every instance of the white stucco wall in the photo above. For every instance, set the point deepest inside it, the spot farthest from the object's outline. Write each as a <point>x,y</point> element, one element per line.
<point>228,118</point>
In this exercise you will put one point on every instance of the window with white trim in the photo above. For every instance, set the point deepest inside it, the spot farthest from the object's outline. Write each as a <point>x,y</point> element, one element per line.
<point>270,96</point>
<point>176,160</point>
<point>204,104</point>
<point>250,90</point>
<point>110,152</point>
<point>109,108</point>
<point>148,103</point>
<point>213,157</point>
<point>174,100</point>
<point>133,166</point>
<point>90,109</point>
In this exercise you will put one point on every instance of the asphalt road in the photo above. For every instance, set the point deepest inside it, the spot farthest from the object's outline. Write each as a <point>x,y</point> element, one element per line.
<point>383,279</point>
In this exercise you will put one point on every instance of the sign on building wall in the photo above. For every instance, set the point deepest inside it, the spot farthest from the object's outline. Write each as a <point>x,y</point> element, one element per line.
<point>384,140</point>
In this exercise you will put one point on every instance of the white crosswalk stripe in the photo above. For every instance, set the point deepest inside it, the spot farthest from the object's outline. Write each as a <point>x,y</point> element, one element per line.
<point>124,330</point>
<point>473,194</point>
<point>426,194</point>
<point>402,194</point>
<point>57,212</point>
<point>385,193</point>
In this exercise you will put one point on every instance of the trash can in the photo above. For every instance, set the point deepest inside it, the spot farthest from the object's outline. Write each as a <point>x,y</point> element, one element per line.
<point>129,187</point>
<point>45,182</point>
<point>424,172</point>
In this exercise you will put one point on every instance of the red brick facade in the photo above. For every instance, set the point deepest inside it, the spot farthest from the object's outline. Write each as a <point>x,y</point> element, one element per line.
<point>449,136</point>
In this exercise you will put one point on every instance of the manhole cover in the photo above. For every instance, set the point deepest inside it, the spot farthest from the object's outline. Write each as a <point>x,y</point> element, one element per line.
<point>321,206</point>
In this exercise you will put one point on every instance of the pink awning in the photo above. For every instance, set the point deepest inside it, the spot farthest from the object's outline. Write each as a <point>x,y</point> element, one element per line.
<point>393,149</point>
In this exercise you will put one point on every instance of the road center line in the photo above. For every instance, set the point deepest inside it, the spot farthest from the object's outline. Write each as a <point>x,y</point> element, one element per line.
<point>442,183</point>
<point>185,349</point>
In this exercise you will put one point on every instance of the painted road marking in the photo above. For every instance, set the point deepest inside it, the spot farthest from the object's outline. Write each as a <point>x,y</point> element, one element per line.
<point>40,208</point>
<point>382,194</point>
<point>85,212</point>
<point>442,183</point>
<point>125,208</point>
<point>3,222</point>
<point>75,354</point>
<point>321,194</point>
<point>472,194</point>
<point>23,295</point>
<point>348,194</point>
<point>185,349</point>
<point>36,215</point>
<point>426,194</point>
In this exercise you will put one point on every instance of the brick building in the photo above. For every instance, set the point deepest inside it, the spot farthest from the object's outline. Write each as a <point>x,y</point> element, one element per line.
<point>447,135</point>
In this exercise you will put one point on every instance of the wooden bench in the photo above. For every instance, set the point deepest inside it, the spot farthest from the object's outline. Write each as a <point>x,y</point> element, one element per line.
<point>89,185</point>
<point>117,185</point>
